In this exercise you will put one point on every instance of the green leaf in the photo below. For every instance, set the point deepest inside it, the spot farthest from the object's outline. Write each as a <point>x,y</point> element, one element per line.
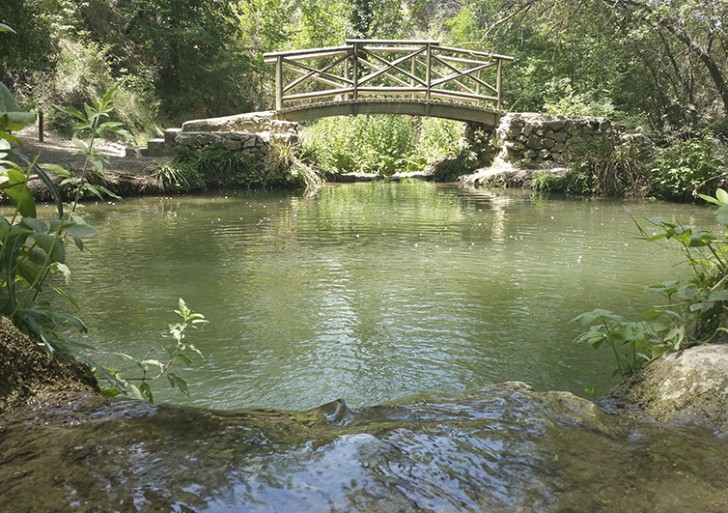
<point>55,193</point>
<point>80,230</point>
<point>709,199</point>
<point>137,393</point>
<point>179,383</point>
<point>36,225</point>
<point>721,214</point>
<point>52,245</point>
<point>6,28</point>
<point>722,196</point>
<point>7,102</point>
<point>4,148</point>
<point>71,111</point>
<point>14,184</point>
<point>718,295</point>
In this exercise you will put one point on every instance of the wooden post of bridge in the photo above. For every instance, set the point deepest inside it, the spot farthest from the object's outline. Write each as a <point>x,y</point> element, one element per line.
<point>498,81</point>
<point>428,71</point>
<point>279,82</point>
<point>355,70</point>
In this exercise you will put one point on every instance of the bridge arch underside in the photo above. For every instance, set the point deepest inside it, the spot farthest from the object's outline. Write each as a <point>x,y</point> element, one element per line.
<point>445,110</point>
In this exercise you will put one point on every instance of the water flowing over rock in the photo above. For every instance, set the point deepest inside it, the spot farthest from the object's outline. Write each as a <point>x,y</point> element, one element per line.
<point>505,448</point>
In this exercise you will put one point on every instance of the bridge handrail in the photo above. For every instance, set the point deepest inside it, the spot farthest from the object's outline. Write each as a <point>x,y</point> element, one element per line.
<point>367,67</point>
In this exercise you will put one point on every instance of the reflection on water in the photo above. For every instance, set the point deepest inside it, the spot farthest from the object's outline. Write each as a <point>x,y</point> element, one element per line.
<point>370,292</point>
<point>501,449</point>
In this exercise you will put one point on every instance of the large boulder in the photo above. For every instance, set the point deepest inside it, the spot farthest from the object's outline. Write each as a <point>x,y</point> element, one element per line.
<point>687,386</point>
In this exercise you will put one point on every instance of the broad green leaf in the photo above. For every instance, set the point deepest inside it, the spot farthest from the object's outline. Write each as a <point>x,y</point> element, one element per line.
<point>721,214</point>
<point>722,196</point>
<point>13,183</point>
<point>7,101</point>
<point>110,392</point>
<point>178,382</point>
<point>4,148</point>
<point>52,188</point>
<point>81,145</point>
<point>52,245</point>
<point>72,111</point>
<point>709,199</point>
<point>36,225</point>
<point>718,295</point>
<point>6,28</point>
<point>80,230</point>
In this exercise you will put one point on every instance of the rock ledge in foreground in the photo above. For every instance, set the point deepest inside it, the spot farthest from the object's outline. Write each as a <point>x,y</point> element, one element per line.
<point>687,386</point>
<point>28,375</point>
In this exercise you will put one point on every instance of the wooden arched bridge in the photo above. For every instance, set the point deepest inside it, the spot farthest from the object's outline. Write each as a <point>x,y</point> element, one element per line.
<point>374,76</point>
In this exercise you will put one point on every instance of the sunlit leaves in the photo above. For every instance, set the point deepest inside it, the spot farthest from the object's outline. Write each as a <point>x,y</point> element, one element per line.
<point>693,312</point>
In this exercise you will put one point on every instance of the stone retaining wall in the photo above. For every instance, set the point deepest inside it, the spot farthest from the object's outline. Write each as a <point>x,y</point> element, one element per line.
<point>540,138</point>
<point>251,144</point>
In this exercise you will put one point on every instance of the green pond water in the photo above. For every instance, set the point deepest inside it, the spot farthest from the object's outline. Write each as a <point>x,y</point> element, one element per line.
<point>368,292</point>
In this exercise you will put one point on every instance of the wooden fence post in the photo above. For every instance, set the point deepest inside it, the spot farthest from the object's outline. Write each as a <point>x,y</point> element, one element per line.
<point>498,83</point>
<point>428,71</point>
<point>279,82</point>
<point>41,137</point>
<point>355,71</point>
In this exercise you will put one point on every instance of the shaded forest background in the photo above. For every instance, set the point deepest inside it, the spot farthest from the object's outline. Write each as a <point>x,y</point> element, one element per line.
<point>660,65</point>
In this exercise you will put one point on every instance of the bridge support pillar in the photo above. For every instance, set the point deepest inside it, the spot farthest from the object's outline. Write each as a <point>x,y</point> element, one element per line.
<point>481,139</point>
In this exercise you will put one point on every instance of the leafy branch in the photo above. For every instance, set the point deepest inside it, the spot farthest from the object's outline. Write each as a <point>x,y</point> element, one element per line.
<point>153,370</point>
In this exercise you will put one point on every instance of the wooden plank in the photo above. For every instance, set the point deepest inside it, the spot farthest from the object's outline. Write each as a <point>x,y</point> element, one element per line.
<point>444,93</point>
<point>392,90</point>
<point>392,65</point>
<point>476,79</point>
<point>463,86</point>
<point>459,74</point>
<point>460,60</point>
<point>391,42</point>
<point>388,75</point>
<point>318,94</point>
<point>463,51</point>
<point>315,52</point>
<point>305,75</point>
<point>313,72</point>
<point>279,83</point>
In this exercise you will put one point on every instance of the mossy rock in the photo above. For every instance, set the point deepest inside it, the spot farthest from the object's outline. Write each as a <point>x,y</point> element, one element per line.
<point>687,386</point>
<point>28,374</point>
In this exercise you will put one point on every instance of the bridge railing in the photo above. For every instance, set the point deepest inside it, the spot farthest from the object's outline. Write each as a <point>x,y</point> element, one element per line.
<point>418,70</point>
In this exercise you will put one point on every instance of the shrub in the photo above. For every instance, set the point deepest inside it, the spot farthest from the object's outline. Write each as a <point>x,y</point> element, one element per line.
<point>616,167</point>
<point>382,144</point>
<point>688,168</point>
<point>693,312</point>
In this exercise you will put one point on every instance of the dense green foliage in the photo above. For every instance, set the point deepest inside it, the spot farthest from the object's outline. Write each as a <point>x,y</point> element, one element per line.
<point>380,144</point>
<point>692,312</point>
<point>646,62</point>
<point>221,168</point>
<point>688,168</point>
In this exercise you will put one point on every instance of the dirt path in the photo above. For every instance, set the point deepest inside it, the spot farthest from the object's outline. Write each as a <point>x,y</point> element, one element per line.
<point>127,173</point>
<point>57,150</point>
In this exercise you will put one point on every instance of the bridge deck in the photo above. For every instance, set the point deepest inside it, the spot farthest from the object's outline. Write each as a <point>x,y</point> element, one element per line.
<point>432,108</point>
